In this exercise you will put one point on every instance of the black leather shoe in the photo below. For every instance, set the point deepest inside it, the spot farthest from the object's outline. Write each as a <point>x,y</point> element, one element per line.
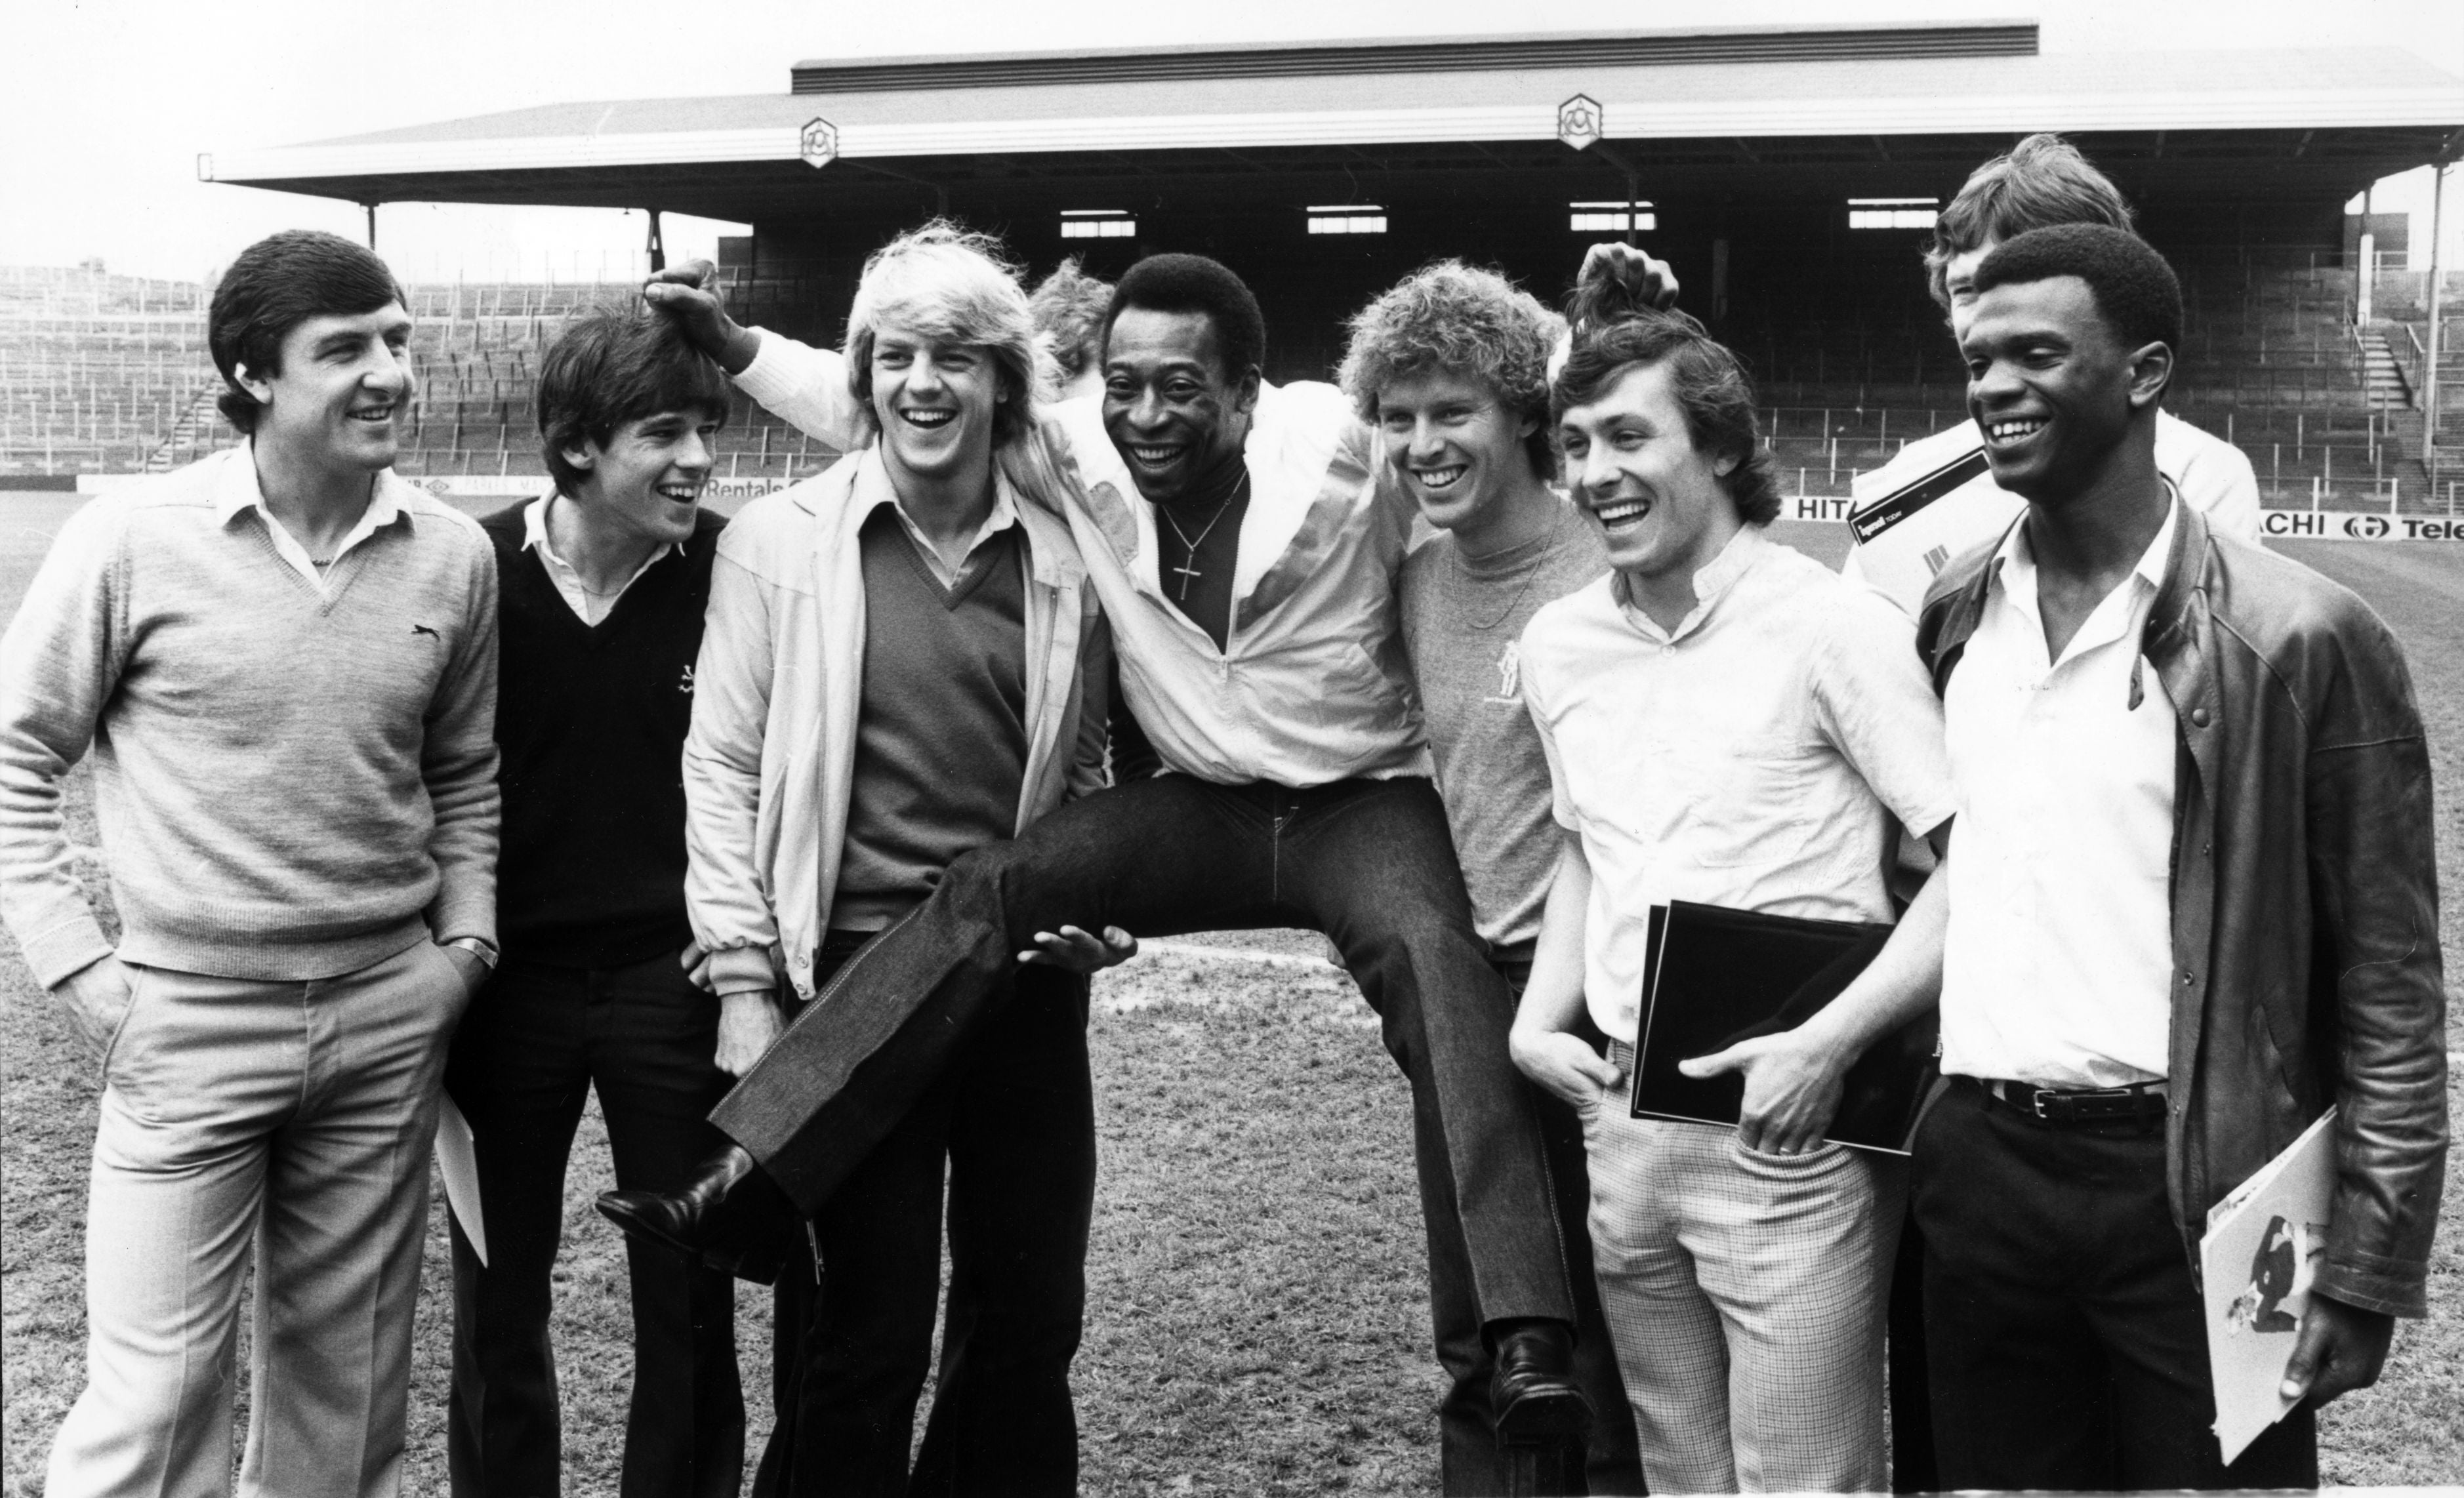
<point>707,1222</point>
<point>1532,1397</point>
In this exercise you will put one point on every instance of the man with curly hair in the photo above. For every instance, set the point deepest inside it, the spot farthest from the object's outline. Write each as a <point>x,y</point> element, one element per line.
<point>1451,368</point>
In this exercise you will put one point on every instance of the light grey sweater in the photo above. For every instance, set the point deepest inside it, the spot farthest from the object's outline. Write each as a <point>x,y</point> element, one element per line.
<point>288,785</point>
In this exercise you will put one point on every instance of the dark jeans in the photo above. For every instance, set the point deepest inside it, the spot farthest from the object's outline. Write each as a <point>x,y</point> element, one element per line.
<point>1015,1119</point>
<point>535,1041</point>
<point>1370,862</point>
<point>1467,1453</point>
<point>2067,1340</point>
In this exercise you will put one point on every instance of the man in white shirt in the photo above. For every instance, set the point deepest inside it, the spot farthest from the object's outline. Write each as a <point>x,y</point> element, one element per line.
<point>1728,723</point>
<point>1936,496</point>
<point>1245,554</point>
<point>2193,905</point>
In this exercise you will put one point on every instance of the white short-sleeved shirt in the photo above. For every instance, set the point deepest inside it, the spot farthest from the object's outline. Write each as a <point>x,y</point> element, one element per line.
<point>2059,963</point>
<point>1752,757</point>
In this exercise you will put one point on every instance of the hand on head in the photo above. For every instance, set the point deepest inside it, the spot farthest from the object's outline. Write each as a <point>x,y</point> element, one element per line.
<point>689,294</point>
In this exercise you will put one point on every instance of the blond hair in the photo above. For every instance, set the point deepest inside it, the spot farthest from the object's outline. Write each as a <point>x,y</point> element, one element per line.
<point>943,282</point>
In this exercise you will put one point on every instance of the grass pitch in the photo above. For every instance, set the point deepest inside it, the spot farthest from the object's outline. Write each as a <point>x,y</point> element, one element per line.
<point>1256,1311</point>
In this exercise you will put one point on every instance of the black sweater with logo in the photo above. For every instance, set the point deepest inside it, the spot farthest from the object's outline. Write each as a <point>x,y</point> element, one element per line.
<point>591,722</point>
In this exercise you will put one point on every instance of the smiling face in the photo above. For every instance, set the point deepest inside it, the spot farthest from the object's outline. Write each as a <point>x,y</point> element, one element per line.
<point>646,482</point>
<point>1632,467</point>
<point>338,402</point>
<point>933,400</point>
<point>1460,452</point>
<point>2052,386</point>
<point>1178,417</point>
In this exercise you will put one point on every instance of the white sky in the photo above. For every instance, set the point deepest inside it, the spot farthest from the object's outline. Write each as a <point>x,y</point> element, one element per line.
<point>104,104</point>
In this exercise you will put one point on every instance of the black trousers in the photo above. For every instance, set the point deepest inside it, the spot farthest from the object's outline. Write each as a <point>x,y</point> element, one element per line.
<point>1370,862</point>
<point>534,1043</point>
<point>2067,1340</point>
<point>1468,1461</point>
<point>1014,1118</point>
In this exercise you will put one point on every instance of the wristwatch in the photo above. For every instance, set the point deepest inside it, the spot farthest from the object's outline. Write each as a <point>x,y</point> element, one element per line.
<point>477,948</point>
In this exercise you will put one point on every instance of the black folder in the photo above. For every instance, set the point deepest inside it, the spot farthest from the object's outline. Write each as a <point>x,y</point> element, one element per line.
<point>1714,977</point>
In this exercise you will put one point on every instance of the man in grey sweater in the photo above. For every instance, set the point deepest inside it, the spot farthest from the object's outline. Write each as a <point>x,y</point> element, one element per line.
<point>284,662</point>
<point>1451,366</point>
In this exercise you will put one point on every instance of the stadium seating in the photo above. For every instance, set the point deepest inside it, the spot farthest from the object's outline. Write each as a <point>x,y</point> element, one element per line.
<point>104,373</point>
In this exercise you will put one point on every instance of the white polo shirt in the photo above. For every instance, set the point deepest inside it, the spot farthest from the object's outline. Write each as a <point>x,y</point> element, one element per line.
<point>2059,963</point>
<point>1753,757</point>
<point>1311,686</point>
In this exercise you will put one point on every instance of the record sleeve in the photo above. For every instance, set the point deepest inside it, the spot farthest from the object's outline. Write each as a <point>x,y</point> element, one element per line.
<point>1715,977</point>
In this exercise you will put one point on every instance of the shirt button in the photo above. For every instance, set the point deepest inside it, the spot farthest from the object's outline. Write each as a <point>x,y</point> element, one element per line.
<point>2199,717</point>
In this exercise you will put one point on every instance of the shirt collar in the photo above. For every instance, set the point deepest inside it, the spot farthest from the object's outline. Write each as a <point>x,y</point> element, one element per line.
<point>2020,558</point>
<point>1712,581</point>
<point>534,536</point>
<point>874,490</point>
<point>239,491</point>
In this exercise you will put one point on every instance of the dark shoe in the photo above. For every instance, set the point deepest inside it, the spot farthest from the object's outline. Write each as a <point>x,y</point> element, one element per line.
<point>1532,1397</point>
<point>707,1222</point>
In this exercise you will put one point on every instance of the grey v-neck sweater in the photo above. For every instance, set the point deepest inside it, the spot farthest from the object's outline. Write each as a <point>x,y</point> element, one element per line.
<point>288,785</point>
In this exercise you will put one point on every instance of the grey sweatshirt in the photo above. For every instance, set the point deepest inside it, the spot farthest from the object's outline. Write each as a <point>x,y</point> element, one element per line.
<point>288,785</point>
<point>1462,624</point>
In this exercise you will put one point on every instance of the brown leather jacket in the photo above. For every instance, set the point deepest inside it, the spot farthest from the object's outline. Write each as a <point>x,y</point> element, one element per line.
<point>2305,896</point>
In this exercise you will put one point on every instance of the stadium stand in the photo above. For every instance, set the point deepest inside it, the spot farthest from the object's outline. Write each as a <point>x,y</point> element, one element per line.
<point>108,374</point>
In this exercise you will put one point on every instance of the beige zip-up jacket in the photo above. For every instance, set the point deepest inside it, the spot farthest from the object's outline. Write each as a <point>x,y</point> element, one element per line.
<point>769,762</point>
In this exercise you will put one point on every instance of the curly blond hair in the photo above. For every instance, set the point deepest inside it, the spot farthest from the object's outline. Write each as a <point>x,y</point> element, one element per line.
<point>1463,320</point>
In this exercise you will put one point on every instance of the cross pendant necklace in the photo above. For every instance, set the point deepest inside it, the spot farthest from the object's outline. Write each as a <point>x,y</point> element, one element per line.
<point>1189,570</point>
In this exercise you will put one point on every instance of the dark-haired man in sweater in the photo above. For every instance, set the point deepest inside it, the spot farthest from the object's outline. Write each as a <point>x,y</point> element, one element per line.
<point>283,660</point>
<point>604,583</point>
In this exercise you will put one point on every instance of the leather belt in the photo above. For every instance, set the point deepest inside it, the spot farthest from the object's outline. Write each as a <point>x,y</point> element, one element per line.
<point>2143,1100</point>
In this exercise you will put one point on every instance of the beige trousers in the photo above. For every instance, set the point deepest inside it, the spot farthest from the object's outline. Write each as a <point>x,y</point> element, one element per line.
<point>1745,1293</point>
<point>293,1120</point>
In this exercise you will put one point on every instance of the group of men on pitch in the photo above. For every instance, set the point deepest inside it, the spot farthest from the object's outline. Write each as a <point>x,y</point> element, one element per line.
<point>797,837</point>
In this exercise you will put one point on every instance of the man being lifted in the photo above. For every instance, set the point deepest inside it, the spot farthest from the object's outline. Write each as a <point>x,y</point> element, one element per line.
<point>1246,552</point>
